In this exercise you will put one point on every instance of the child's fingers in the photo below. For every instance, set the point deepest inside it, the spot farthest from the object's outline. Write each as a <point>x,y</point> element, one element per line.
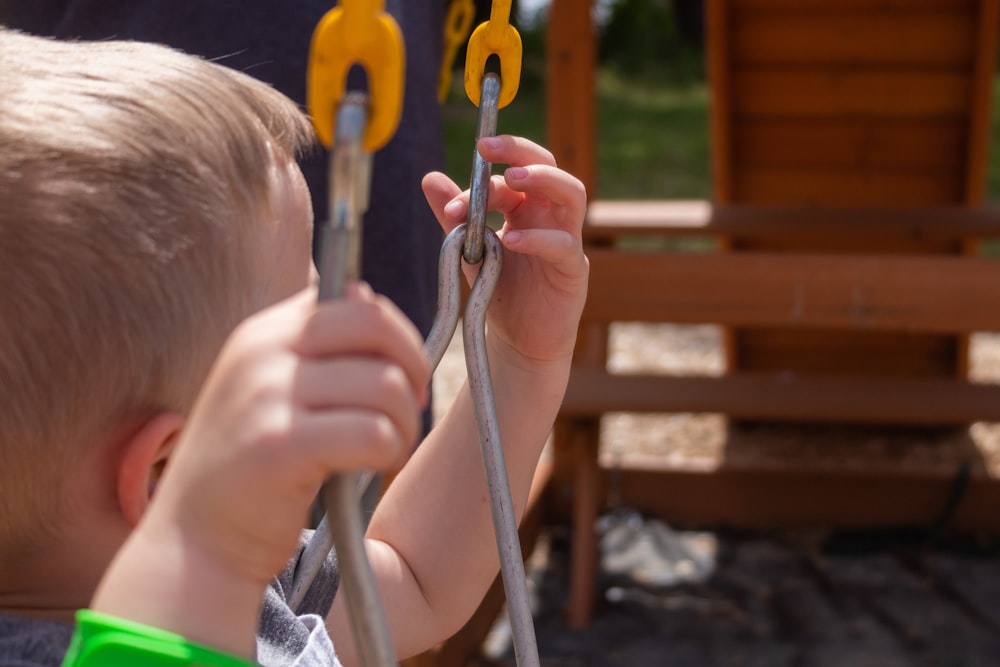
<point>439,191</point>
<point>283,315</point>
<point>499,198</point>
<point>554,246</point>
<point>362,383</point>
<point>363,440</point>
<point>533,175</point>
<point>549,183</point>
<point>376,328</point>
<point>515,151</point>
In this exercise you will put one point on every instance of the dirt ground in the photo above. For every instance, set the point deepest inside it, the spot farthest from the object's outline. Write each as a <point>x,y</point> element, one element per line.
<point>770,600</point>
<point>724,598</point>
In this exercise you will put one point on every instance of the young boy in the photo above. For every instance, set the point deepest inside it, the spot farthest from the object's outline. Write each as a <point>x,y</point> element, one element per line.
<point>151,210</point>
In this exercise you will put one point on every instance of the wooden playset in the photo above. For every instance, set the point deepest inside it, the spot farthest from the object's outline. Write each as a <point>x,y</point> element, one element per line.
<point>849,150</point>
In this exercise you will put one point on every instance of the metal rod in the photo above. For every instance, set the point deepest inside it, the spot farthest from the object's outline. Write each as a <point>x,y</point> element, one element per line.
<point>441,333</point>
<point>350,171</point>
<point>317,550</point>
<point>449,296</point>
<point>481,169</point>
<point>501,502</point>
<point>343,525</point>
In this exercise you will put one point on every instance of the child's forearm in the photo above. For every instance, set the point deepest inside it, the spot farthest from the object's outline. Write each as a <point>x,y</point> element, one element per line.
<point>431,539</point>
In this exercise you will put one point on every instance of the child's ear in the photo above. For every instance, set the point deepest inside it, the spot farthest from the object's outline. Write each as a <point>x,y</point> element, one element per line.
<point>143,459</point>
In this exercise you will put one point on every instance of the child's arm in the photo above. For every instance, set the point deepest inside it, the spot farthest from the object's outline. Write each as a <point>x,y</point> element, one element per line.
<point>431,539</point>
<point>299,391</point>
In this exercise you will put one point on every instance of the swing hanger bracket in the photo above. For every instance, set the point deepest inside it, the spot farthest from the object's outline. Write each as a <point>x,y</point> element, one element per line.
<point>496,37</point>
<point>356,32</point>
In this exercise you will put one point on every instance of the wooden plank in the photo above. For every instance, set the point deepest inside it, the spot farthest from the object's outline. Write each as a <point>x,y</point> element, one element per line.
<point>841,352</point>
<point>852,143</point>
<point>611,218</point>
<point>928,294</point>
<point>570,101</point>
<point>903,229</point>
<point>919,37</point>
<point>786,397</point>
<point>980,123</point>
<point>837,91</point>
<point>795,496</point>
<point>583,568</point>
<point>848,187</point>
<point>739,7</point>
<point>822,62</point>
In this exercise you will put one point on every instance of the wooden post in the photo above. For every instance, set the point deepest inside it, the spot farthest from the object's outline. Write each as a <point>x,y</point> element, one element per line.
<point>570,106</point>
<point>571,126</point>
<point>982,102</point>
<point>720,108</point>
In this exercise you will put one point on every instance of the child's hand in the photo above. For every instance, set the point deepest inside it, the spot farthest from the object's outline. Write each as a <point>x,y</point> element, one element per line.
<point>299,392</point>
<point>543,286</point>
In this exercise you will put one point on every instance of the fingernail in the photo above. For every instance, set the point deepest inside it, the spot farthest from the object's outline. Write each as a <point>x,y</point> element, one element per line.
<point>513,238</point>
<point>517,173</point>
<point>491,142</point>
<point>455,208</point>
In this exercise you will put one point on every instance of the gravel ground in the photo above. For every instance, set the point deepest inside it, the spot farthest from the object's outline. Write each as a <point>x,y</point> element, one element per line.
<point>805,599</point>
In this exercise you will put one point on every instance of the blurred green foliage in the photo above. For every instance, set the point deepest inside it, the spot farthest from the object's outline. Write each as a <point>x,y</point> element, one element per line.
<point>658,40</point>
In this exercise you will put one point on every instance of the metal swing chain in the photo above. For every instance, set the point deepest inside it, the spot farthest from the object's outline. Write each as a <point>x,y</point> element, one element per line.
<point>350,173</point>
<point>482,245</point>
<point>343,37</point>
<point>491,92</point>
<point>358,32</point>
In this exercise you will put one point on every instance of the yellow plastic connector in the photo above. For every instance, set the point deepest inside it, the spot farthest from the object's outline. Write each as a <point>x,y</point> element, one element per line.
<point>456,29</point>
<point>494,37</point>
<point>358,32</point>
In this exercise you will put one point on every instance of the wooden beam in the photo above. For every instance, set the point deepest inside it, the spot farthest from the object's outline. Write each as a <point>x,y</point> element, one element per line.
<point>570,100</point>
<point>720,118</point>
<point>866,144</point>
<point>794,495</point>
<point>786,397</point>
<point>839,6</point>
<point>585,441</point>
<point>609,220</point>
<point>865,186</point>
<point>981,102</point>
<point>921,37</point>
<point>860,292</point>
<point>844,91</point>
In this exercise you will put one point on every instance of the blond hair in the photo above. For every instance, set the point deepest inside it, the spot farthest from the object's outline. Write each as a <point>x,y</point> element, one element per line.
<point>130,175</point>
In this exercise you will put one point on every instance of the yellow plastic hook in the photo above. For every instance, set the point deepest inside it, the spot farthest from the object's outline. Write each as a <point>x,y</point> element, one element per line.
<point>456,29</point>
<point>358,32</point>
<point>496,36</point>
